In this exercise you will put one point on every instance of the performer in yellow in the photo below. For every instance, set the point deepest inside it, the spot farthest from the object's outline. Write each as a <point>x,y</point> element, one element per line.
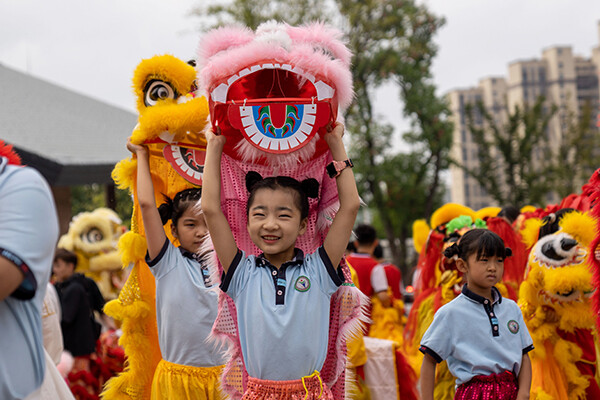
<point>169,122</point>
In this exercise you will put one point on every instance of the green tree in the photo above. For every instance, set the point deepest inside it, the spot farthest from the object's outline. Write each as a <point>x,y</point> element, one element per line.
<point>392,44</point>
<point>578,152</point>
<point>516,163</point>
<point>90,197</point>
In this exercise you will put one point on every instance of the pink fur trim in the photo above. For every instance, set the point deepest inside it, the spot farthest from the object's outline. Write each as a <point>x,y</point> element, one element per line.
<point>319,33</point>
<point>223,38</point>
<point>215,67</point>
<point>250,154</point>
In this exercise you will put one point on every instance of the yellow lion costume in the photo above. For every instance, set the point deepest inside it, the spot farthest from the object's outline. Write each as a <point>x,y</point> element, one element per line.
<point>93,237</point>
<point>555,300</point>
<point>170,123</point>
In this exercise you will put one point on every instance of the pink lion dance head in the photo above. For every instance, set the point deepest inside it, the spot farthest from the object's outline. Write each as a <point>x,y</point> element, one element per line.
<point>272,93</point>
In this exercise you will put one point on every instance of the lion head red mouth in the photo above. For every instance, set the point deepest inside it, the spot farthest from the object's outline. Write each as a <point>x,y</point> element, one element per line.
<point>273,93</point>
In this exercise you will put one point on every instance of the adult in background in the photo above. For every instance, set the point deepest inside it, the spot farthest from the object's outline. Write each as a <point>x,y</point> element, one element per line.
<point>28,235</point>
<point>363,262</point>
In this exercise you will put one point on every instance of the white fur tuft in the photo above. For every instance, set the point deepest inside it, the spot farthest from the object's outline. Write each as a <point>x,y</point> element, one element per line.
<point>275,33</point>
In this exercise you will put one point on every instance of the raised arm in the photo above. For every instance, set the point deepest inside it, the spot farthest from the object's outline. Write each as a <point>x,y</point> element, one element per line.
<point>219,229</point>
<point>153,226</point>
<point>341,227</point>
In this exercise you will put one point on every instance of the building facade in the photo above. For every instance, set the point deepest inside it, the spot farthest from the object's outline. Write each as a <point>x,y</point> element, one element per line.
<point>568,81</point>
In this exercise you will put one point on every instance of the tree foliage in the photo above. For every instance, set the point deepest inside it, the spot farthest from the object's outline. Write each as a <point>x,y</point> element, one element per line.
<point>392,44</point>
<point>514,157</point>
<point>578,152</point>
<point>518,163</point>
<point>90,197</point>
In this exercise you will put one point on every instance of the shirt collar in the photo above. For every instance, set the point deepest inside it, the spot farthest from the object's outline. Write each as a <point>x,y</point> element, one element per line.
<point>480,299</point>
<point>261,260</point>
<point>189,254</point>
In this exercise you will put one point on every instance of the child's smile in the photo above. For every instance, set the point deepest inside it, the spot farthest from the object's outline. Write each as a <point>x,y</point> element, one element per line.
<point>274,224</point>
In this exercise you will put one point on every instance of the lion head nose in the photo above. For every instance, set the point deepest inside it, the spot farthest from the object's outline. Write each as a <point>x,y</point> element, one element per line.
<point>568,244</point>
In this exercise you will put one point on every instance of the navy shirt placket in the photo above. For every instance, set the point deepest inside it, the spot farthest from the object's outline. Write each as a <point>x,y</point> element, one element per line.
<point>489,310</point>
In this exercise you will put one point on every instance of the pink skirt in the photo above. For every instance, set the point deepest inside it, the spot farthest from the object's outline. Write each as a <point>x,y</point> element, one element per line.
<point>489,387</point>
<point>307,388</point>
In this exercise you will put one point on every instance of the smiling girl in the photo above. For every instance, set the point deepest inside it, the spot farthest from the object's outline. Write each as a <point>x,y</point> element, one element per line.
<point>282,296</point>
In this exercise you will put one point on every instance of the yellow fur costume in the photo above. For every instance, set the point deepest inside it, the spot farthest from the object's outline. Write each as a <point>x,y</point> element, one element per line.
<point>93,237</point>
<point>555,300</point>
<point>170,124</point>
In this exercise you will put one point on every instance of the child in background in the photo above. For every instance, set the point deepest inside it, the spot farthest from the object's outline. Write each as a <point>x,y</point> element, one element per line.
<point>282,296</point>
<point>186,307</point>
<point>480,334</point>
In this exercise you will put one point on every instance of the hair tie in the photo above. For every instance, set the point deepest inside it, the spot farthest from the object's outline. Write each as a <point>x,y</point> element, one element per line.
<point>310,186</point>
<point>252,178</point>
<point>165,210</point>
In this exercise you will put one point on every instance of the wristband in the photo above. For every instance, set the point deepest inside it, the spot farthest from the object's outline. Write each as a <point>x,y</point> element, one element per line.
<point>334,168</point>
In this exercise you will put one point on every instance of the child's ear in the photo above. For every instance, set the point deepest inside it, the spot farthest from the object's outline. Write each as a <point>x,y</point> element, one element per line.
<point>303,226</point>
<point>174,230</point>
<point>461,265</point>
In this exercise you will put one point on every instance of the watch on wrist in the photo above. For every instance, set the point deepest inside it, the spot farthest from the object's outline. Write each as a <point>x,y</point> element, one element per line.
<point>334,168</point>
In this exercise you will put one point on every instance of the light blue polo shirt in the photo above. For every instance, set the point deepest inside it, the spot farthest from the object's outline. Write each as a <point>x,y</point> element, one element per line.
<point>28,236</point>
<point>476,337</point>
<point>283,314</point>
<point>186,308</point>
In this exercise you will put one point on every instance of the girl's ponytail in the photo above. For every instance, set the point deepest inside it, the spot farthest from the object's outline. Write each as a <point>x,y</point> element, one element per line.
<point>452,252</point>
<point>166,210</point>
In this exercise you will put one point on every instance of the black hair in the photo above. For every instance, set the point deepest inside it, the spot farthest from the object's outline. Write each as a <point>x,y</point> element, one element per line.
<point>551,221</point>
<point>365,234</point>
<point>378,252</point>
<point>302,190</point>
<point>173,209</point>
<point>481,241</point>
<point>511,213</point>
<point>66,256</point>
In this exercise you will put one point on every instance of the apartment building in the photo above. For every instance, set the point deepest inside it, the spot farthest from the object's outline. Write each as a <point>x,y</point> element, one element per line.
<point>566,80</point>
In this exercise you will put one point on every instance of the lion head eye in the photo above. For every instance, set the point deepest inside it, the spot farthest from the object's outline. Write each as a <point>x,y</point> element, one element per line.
<point>158,90</point>
<point>94,235</point>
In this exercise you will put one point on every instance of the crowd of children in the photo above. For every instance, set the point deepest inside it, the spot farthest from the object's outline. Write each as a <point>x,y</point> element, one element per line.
<point>465,322</point>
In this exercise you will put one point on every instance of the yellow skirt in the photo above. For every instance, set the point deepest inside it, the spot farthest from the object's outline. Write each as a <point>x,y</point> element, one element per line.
<point>174,381</point>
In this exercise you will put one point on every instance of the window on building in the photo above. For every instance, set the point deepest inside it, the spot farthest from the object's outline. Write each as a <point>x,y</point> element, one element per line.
<point>524,75</point>
<point>466,190</point>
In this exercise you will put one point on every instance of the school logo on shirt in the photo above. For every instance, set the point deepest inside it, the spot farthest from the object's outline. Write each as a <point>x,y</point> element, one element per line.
<point>302,284</point>
<point>513,326</point>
